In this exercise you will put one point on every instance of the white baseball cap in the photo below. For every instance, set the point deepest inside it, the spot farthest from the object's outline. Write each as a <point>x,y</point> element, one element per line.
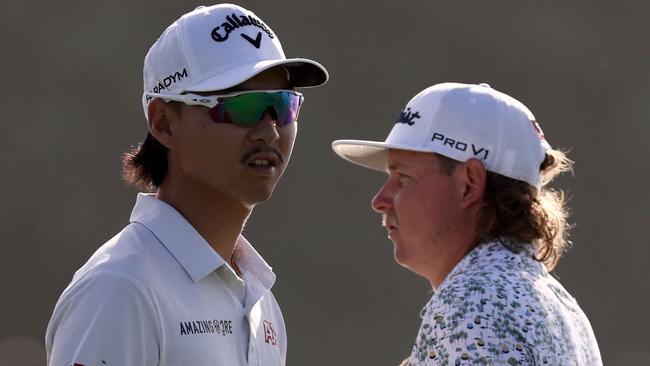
<point>215,48</point>
<point>461,121</point>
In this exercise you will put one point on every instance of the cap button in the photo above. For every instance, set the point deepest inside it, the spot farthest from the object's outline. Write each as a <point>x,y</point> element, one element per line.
<point>485,85</point>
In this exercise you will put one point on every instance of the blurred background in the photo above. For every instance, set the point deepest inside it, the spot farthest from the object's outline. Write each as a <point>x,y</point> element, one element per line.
<point>71,106</point>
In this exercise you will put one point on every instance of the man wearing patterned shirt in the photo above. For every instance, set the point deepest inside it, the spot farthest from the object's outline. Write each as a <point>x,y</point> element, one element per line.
<point>467,207</point>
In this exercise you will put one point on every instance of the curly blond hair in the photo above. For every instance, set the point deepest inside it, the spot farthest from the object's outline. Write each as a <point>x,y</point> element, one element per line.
<point>516,210</point>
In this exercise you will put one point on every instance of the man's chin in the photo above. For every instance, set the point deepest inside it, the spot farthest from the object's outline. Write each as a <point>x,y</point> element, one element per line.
<point>398,254</point>
<point>259,196</point>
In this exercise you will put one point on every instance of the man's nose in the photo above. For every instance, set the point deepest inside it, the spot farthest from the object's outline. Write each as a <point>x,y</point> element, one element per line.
<point>382,200</point>
<point>266,130</point>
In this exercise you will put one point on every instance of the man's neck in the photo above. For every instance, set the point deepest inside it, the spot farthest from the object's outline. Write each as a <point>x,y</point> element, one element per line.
<point>217,217</point>
<point>451,252</point>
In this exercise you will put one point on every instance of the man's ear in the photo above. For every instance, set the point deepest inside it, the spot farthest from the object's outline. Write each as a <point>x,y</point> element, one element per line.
<point>160,121</point>
<point>473,176</point>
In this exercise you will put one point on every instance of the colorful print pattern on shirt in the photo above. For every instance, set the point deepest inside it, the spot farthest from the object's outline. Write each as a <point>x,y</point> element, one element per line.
<point>499,306</point>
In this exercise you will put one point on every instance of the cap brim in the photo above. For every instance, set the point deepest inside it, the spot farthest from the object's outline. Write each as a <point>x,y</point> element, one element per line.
<point>368,154</point>
<point>302,73</point>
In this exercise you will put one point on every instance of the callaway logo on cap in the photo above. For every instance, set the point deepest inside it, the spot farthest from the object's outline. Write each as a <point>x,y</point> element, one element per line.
<point>461,121</point>
<point>221,32</point>
<point>217,47</point>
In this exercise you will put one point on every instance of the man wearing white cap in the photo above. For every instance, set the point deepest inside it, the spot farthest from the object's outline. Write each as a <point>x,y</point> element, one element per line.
<point>180,285</point>
<point>467,207</point>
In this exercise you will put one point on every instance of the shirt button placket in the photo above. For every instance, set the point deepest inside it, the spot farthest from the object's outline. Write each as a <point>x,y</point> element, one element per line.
<point>253,360</point>
<point>253,357</point>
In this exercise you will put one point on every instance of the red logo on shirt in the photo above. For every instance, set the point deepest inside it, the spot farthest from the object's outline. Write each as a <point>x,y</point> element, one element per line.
<point>269,333</point>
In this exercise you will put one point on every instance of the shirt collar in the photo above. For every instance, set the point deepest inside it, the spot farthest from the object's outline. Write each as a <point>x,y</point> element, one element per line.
<point>249,260</point>
<point>189,248</point>
<point>185,244</point>
<point>492,253</point>
<point>484,256</point>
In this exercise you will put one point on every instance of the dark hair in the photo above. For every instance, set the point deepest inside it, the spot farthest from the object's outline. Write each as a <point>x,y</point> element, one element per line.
<point>515,210</point>
<point>145,166</point>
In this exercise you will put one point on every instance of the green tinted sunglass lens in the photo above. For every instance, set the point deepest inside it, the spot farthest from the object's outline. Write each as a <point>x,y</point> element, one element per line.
<point>248,109</point>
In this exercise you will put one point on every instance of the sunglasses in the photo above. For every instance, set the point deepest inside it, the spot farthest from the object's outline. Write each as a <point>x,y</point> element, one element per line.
<point>244,108</point>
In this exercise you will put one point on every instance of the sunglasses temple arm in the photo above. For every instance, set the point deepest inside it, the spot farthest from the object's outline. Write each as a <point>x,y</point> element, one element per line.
<point>167,98</point>
<point>188,99</point>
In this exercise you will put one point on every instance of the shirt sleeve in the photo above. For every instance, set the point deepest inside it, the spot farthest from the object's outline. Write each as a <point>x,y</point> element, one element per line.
<point>103,320</point>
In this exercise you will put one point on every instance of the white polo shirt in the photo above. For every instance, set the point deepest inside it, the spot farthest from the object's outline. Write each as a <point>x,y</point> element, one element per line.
<point>158,294</point>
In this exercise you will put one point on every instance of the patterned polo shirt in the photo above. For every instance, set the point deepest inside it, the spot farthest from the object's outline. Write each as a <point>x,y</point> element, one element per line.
<point>499,306</point>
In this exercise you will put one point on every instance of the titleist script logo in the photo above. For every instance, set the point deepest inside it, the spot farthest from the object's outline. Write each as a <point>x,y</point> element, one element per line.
<point>269,333</point>
<point>223,327</point>
<point>407,117</point>
<point>460,145</point>
<point>232,22</point>
<point>168,81</point>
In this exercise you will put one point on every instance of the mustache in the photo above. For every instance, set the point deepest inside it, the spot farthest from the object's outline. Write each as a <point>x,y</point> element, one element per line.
<point>261,149</point>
